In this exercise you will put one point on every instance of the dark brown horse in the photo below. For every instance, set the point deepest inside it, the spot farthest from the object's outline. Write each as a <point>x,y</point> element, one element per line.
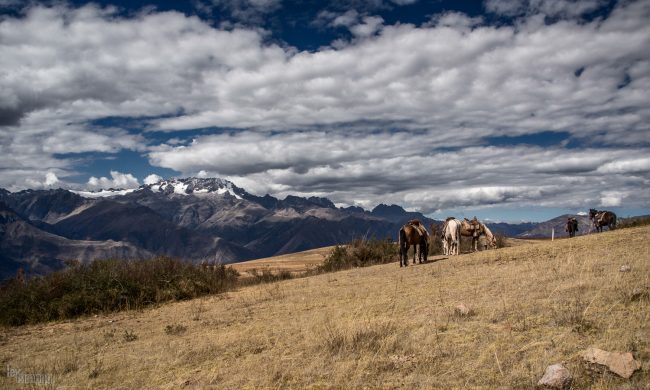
<point>413,233</point>
<point>571,226</point>
<point>602,218</point>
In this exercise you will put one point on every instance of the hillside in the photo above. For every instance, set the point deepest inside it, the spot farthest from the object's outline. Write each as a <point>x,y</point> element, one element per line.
<point>23,245</point>
<point>532,305</point>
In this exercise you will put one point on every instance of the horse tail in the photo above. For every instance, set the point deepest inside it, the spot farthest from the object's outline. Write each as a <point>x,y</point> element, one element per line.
<point>614,220</point>
<point>401,240</point>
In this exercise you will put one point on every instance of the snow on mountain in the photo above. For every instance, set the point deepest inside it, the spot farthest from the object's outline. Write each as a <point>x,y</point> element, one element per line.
<point>103,193</point>
<point>194,185</point>
<point>183,186</point>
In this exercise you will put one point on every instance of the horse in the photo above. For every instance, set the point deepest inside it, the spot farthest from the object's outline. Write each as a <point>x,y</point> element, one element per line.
<point>413,233</point>
<point>471,229</point>
<point>602,218</point>
<point>571,226</point>
<point>491,239</point>
<point>451,237</point>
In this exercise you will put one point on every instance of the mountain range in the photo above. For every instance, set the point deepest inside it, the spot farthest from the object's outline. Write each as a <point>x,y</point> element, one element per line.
<point>195,219</point>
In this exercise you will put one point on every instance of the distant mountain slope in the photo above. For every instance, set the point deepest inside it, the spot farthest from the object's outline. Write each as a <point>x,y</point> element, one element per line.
<point>511,229</point>
<point>23,245</point>
<point>45,206</point>
<point>141,226</point>
<point>558,225</point>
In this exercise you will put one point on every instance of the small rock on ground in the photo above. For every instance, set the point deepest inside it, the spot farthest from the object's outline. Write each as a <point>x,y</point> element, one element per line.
<point>621,364</point>
<point>556,376</point>
<point>463,311</point>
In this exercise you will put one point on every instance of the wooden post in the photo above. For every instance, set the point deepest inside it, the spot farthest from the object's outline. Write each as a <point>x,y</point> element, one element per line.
<point>552,234</point>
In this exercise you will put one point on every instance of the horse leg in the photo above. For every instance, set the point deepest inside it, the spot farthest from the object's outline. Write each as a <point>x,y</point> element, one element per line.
<point>426,253</point>
<point>415,252</point>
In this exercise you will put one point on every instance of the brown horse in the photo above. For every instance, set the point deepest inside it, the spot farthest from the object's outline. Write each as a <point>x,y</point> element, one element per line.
<point>413,233</point>
<point>471,228</point>
<point>571,226</point>
<point>602,218</point>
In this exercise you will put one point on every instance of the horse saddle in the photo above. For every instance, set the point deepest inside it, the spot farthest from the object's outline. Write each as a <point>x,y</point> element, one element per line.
<point>422,231</point>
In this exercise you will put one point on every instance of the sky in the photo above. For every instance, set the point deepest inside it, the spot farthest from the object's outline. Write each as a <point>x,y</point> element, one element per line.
<point>510,110</point>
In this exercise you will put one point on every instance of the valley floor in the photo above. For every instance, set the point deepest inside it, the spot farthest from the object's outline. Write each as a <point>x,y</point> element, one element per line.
<point>377,327</point>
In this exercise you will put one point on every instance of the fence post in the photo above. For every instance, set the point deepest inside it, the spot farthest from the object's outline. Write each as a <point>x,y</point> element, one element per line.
<point>552,234</point>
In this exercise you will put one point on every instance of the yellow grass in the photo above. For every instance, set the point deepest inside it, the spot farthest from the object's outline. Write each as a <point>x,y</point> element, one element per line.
<point>376,327</point>
<point>296,263</point>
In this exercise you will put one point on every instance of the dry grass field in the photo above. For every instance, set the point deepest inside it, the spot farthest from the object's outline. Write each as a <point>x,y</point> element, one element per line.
<point>377,327</point>
<point>295,263</point>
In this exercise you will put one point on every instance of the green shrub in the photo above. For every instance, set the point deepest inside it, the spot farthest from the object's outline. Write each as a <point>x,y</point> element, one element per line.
<point>502,241</point>
<point>633,222</point>
<point>108,285</point>
<point>266,276</point>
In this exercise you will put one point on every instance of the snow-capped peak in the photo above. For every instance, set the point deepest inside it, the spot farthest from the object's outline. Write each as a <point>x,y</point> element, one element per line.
<point>104,193</point>
<point>195,185</point>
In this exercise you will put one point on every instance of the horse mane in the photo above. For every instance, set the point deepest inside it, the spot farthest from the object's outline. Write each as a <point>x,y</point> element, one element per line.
<point>414,222</point>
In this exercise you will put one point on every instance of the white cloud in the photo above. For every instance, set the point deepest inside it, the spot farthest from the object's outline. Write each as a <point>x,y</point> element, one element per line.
<point>152,179</point>
<point>456,20</point>
<point>441,76</point>
<point>50,181</point>
<point>626,165</point>
<point>368,26</point>
<point>407,168</point>
<point>449,84</point>
<point>612,198</point>
<point>347,19</point>
<point>117,180</point>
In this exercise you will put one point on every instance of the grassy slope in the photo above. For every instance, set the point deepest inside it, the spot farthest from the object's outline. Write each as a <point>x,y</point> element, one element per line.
<point>381,326</point>
<point>295,263</point>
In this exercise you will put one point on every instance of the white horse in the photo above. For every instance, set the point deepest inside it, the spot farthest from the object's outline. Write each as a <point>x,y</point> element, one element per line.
<point>491,240</point>
<point>451,237</point>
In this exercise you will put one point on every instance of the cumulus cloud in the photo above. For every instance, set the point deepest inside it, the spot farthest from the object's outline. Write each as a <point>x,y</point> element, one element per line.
<point>499,78</point>
<point>152,179</point>
<point>612,198</point>
<point>368,26</point>
<point>50,181</point>
<point>117,180</point>
<point>399,113</point>
<point>412,169</point>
